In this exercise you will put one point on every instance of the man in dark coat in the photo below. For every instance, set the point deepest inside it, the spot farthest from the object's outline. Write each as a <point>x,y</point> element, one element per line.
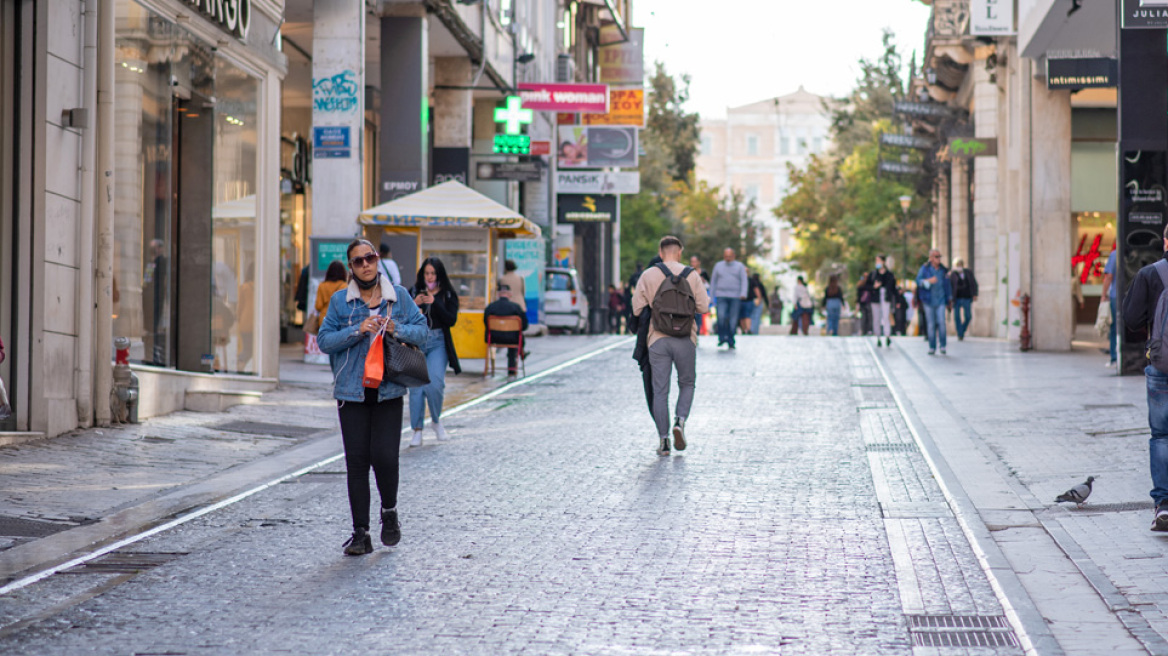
<point>503,306</point>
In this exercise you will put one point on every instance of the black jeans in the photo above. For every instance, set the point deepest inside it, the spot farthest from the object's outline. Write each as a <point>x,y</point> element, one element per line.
<point>372,435</point>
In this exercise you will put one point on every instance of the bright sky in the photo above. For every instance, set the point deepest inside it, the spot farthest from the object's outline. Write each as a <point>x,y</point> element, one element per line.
<point>742,51</point>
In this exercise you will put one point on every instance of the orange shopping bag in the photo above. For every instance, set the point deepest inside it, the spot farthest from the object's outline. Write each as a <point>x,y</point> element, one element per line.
<point>375,361</point>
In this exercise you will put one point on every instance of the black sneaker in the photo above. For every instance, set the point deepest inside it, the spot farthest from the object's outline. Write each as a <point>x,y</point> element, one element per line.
<point>663,450</point>
<point>1160,519</point>
<point>679,434</point>
<point>390,528</point>
<point>888,342</point>
<point>359,543</point>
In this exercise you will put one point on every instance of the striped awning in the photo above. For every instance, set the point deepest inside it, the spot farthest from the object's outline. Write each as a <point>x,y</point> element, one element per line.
<point>449,205</point>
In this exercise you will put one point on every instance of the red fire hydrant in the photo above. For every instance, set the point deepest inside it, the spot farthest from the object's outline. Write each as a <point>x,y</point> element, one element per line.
<point>1024,336</point>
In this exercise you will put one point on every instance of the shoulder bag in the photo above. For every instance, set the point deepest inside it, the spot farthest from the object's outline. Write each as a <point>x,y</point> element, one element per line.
<point>404,363</point>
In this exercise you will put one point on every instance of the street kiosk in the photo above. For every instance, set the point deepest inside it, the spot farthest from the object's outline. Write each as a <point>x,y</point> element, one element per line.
<point>461,227</point>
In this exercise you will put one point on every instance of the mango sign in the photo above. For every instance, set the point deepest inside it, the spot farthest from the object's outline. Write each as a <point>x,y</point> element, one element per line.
<point>625,107</point>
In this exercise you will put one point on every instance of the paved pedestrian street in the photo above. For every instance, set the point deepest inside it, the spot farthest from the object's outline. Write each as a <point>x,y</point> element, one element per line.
<point>802,519</point>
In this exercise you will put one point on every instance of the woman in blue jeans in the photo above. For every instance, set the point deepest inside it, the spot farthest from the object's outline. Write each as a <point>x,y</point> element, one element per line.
<point>833,302</point>
<point>436,298</point>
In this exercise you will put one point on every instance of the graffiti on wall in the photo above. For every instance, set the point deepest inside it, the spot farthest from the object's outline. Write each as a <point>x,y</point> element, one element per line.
<point>337,93</point>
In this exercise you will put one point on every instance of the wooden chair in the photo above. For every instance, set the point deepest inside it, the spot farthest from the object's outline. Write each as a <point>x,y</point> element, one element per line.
<point>503,325</point>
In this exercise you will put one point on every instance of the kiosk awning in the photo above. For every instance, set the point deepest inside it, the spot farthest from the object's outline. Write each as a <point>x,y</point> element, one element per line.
<point>449,205</point>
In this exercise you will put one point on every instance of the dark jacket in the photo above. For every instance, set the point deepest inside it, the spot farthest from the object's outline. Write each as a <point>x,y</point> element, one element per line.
<point>443,313</point>
<point>887,280</point>
<point>964,284</point>
<point>761,287</point>
<point>504,307</point>
<point>1139,303</point>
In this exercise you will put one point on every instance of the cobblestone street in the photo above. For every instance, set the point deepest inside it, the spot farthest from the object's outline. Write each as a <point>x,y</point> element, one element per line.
<point>802,519</point>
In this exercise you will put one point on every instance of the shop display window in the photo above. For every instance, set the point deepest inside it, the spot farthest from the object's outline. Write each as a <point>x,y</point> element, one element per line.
<point>468,273</point>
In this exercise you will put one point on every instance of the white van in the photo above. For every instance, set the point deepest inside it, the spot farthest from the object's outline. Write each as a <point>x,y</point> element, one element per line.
<point>564,303</point>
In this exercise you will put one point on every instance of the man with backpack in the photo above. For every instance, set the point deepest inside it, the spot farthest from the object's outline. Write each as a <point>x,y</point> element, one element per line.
<point>1145,306</point>
<point>674,294</point>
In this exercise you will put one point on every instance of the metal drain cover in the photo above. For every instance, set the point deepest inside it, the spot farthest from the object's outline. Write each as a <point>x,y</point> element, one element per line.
<point>961,631</point>
<point>1127,506</point>
<point>18,527</point>
<point>124,562</point>
<point>261,428</point>
<point>892,447</point>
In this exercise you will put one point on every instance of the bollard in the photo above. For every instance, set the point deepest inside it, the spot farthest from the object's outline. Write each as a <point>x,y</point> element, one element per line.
<point>1024,336</point>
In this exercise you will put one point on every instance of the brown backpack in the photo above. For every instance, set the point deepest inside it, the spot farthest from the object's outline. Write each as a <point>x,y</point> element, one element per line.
<point>674,305</point>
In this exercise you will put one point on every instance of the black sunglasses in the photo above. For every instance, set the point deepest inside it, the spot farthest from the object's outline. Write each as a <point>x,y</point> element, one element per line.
<point>362,261</point>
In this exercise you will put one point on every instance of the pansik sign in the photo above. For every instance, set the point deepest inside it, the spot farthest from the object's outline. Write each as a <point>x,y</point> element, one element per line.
<point>598,182</point>
<point>625,107</point>
<point>582,98</point>
<point>585,208</point>
<point>232,15</point>
<point>622,62</point>
<point>594,147</point>
<point>1089,73</point>
<point>991,17</point>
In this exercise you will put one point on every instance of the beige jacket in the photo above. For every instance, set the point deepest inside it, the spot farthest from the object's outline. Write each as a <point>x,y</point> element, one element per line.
<point>651,281</point>
<point>518,292</point>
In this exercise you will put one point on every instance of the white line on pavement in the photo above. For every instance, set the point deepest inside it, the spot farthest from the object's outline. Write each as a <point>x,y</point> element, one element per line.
<point>81,560</point>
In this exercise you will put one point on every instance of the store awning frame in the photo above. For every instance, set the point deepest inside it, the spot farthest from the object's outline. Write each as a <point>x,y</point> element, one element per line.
<point>449,205</point>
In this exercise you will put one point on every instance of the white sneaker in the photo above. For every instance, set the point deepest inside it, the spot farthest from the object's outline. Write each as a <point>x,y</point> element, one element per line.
<point>440,432</point>
<point>417,439</point>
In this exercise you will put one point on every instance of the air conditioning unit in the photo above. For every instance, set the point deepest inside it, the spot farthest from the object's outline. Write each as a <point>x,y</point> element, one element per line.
<point>565,68</point>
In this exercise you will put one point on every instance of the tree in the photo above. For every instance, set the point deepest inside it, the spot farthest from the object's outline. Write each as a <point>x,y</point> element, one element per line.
<point>877,89</point>
<point>714,221</point>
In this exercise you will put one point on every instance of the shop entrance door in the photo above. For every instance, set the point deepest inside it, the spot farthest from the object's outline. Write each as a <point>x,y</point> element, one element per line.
<point>192,186</point>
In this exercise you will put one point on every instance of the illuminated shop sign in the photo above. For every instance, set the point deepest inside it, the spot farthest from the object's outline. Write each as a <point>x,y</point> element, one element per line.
<point>233,15</point>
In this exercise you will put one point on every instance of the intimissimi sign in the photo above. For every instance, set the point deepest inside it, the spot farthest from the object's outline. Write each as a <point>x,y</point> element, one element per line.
<point>232,15</point>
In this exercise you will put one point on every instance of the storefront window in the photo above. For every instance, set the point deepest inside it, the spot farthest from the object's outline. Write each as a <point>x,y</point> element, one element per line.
<point>233,308</point>
<point>149,50</point>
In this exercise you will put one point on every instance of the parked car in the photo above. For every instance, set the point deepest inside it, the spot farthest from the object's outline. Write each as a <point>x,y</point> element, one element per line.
<point>565,305</point>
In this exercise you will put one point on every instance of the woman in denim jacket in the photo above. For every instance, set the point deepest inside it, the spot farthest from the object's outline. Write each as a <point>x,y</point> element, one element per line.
<point>371,419</point>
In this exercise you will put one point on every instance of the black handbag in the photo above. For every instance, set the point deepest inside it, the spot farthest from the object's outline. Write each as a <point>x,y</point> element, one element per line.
<point>404,363</point>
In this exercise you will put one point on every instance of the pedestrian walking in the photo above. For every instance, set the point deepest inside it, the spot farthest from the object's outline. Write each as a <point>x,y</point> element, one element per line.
<point>1108,296</point>
<point>616,309</point>
<point>900,312</point>
<point>802,314</point>
<point>370,417</point>
<point>504,306</point>
<point>673,294</point>
<point>864,302</point>
<point>730,286</point>
<point>833,303</point>
<point>436,298</point>
<point>882,287</point>
<point>758,294</point>
<point>695,262</point>
<point>335,279</point>
<point>964,286</point>
<point>515,283</point>
<point>935,295</point>
<point>388,266</point>
<point>1139,312</point>
<point>776,307</point>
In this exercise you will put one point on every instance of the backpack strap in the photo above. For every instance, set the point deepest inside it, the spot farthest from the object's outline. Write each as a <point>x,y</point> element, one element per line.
<point>1161,267</point>
<point>686,271</point>
<point>665,270</point>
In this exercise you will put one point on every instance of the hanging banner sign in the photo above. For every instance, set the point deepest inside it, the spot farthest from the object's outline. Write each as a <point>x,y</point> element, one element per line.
<point>900,168</point>
<point>991,17</point>
<point>540,148</point>
<point>1087,73</point>
<point>595,147</point>
<point>233,15</point>
<point>1144,14</point>
<point>598,182</point>
<point>579,98</point>
<point>906,141</point>
<point>585,208</point>
<point>625,107</point>
<point>969,147</point>
<point>520,171</point>
<point>622,62</point>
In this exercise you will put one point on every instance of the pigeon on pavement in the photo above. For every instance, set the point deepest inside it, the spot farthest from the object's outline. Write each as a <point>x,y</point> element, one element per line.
<point>1078,494</point>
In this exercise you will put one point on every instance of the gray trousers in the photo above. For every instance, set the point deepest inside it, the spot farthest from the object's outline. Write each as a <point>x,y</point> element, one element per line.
<point>663,355</point>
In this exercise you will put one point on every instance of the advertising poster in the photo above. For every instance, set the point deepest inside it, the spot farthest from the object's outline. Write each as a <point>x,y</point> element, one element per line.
<point>528,255</point>
<point>593,147</point>
<point>625,107</point>
<point>622,62</point>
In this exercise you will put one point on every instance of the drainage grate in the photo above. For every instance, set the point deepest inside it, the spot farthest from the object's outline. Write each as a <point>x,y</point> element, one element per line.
<point>260,428</point>
<point>961,631</point>
<point>1127,506</point>
<point>18,527</point>
<point>891,447</point>
<point>124,562</point>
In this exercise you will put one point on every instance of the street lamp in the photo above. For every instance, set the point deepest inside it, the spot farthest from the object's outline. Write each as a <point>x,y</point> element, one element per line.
<point>905,202</point>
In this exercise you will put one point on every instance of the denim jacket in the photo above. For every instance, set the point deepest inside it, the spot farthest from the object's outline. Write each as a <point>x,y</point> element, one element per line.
<point>939,293</point>
<point>340,337</point>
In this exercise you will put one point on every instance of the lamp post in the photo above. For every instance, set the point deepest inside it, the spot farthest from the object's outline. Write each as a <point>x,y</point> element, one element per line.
<point>905,202</point>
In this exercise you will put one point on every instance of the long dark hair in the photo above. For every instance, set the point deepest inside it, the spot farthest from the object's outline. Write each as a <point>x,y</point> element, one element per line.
<point>833,284</point>
<point>439,272</point>
<point>336,271</point>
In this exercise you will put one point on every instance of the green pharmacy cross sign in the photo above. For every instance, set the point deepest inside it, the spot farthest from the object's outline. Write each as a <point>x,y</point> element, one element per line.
<point>513,116</point>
